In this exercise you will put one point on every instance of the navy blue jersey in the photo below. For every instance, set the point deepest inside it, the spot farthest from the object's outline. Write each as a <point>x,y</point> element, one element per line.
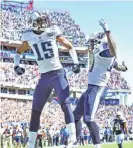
<point>119,126</point>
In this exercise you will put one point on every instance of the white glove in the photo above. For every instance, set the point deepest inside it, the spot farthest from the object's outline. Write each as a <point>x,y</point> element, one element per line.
<point>104,25</point>
<point>127,135</point>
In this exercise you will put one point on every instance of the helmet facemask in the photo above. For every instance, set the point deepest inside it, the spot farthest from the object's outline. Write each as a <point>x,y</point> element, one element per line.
<point>95,40</point>
<point>39,23</point>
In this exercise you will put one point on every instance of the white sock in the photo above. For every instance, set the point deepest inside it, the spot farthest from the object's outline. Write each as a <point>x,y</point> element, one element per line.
<point>32,139</point>
<point>97,146</point>
<point>72,131</point>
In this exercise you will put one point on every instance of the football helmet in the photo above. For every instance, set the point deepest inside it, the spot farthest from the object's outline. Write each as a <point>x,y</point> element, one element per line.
<point>95,39</point>
<point>39,21</point>
<point>119,115</point>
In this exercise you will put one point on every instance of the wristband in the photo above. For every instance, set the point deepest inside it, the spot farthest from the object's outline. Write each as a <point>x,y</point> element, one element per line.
<point>17,59</point>
<point>74,56</point>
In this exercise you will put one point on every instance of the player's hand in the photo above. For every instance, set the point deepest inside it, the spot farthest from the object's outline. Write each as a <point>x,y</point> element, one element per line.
<point>127,135</point>
<point>19,70</point>
<point>123,64</point>
<point>104,25</point>
<point>76,68</point>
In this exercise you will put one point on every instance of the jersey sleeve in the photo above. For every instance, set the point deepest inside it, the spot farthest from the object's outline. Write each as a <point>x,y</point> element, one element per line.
<point>58,31</point>
<point>123,120</point>
<point>25,35</point>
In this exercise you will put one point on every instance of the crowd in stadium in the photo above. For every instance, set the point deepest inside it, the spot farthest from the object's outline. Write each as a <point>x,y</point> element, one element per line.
<point>77,81</point>
<point>16,116</point>
<point>14,23</point>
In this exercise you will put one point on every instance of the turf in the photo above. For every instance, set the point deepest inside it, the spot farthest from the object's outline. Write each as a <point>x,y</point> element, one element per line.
<point>125,145</point>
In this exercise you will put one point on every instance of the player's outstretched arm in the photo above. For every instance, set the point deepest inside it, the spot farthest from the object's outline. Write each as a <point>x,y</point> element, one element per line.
<point>66,43</point>
<point>22,48</point>
<point>111,43</point>
<point>121,67</point>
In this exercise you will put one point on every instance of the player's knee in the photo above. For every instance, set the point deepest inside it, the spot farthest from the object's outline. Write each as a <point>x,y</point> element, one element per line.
<point>87,119</point>
<point>35,120</point>
<point>65,107</point>
<point>69,118</point>
<point>77,116</point>
<point>35,114</point>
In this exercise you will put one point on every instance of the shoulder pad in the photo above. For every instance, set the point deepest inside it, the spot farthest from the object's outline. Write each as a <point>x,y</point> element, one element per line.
<point>123,120</point>
<point>57,28</point>
<point>115,120</point>
<point>25,35</point>
<point>27,31</point>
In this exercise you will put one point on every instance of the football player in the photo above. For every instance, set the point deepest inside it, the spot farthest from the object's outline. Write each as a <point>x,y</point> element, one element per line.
<point>42,40</point>
<point>102,59</point>
<point>119,129</point>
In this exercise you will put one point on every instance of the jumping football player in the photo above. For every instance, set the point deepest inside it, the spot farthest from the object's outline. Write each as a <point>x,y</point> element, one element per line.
<point>102,59</point>
<point>42,40</point>
<point>119,129</point>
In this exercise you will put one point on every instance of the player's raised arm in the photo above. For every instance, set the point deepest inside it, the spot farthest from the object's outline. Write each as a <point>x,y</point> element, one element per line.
<point>66,43</point>
<point>111,43</point>
<point>120,67</point>
<point>22,48</point>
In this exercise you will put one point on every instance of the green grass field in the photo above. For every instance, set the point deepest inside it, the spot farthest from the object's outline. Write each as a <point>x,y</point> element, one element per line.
<point>125,145</point>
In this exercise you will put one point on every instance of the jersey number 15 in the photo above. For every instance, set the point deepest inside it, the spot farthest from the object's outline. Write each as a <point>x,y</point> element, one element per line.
<point>47,49</point>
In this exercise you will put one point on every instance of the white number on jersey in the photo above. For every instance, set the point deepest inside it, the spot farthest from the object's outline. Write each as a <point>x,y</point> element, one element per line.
<point>47,49</point>
<point>117,127</point>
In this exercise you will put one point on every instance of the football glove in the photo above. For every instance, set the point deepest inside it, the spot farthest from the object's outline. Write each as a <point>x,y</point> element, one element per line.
<point>76,68</point>
<point>104,25</point>
<point>19,70</point>
<point>123,64</point>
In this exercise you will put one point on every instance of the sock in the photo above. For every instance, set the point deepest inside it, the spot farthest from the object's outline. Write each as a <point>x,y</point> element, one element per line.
<point>97,146</point>
<point>72,131</point>
<point>78,129</point>
<point>32,139</point>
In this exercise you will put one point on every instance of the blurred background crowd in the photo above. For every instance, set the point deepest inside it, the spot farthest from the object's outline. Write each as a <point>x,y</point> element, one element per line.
<point>77,81</point>
<point>16,116</point>
<point>18,22</point>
